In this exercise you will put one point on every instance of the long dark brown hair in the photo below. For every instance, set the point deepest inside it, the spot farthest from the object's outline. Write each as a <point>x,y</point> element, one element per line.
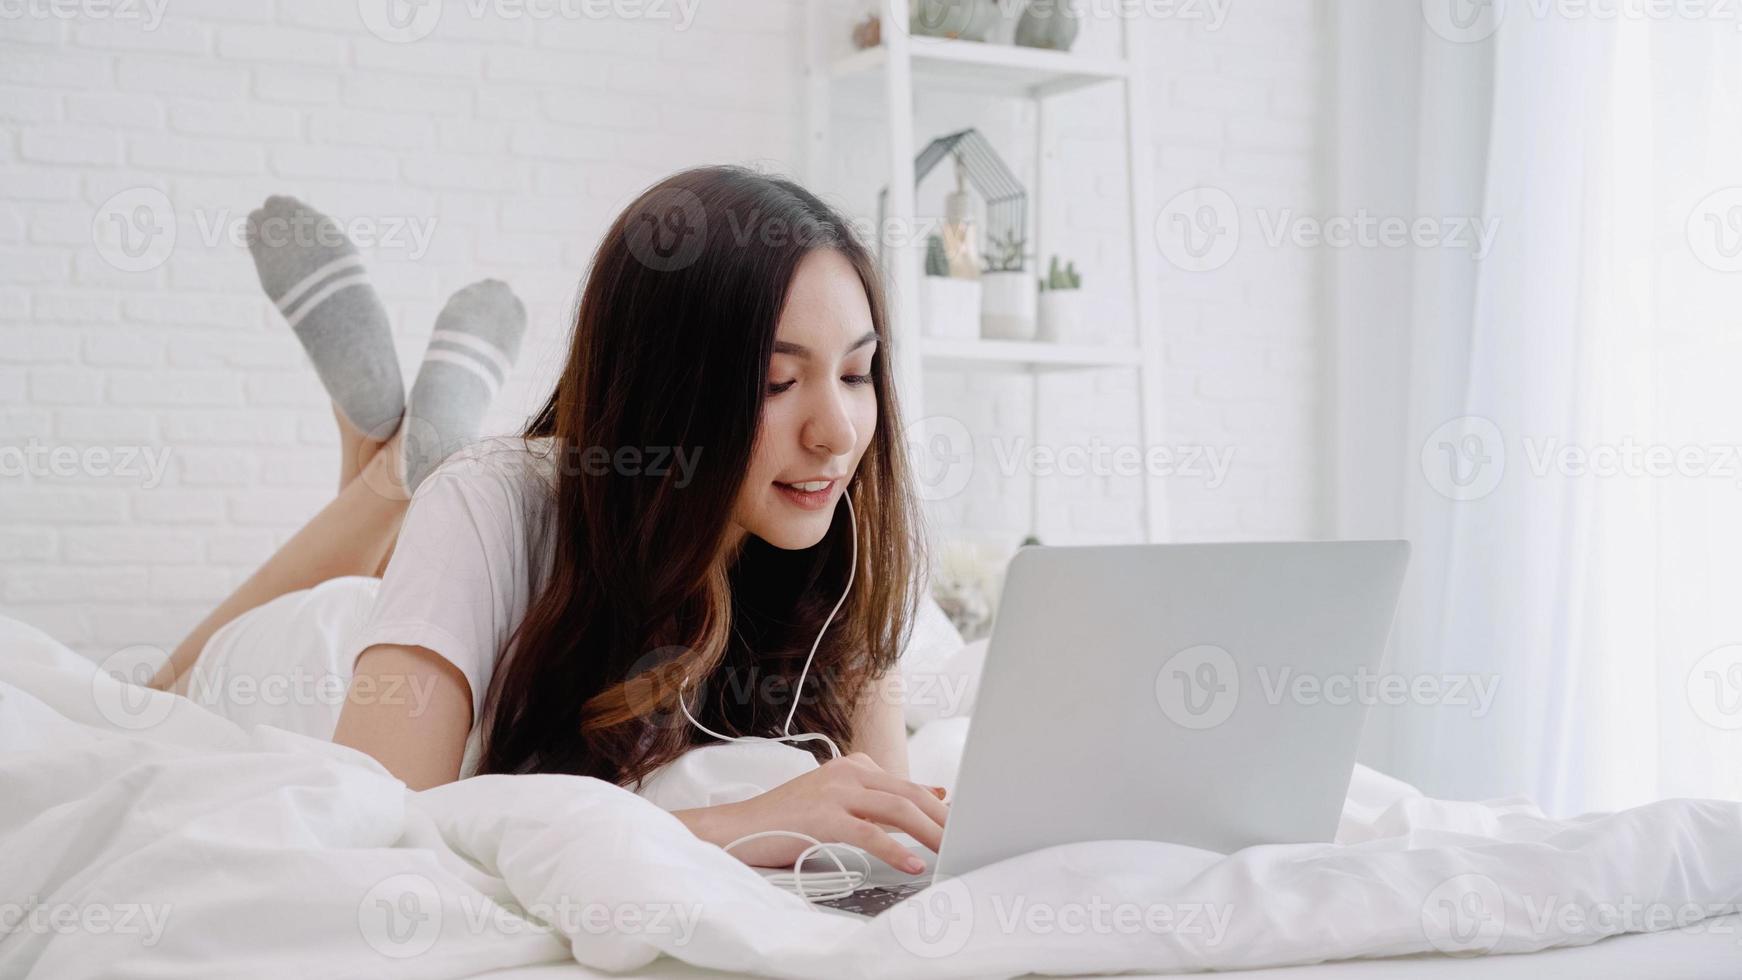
<point>646,595</point>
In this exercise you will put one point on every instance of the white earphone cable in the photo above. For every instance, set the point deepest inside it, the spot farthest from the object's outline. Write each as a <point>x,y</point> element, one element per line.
<point>841,882</point>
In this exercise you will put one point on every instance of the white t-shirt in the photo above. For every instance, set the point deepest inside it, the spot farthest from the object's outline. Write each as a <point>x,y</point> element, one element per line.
<point>476,546</point>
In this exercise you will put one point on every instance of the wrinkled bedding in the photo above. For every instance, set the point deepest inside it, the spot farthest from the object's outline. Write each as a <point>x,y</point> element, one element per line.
<point>141,835</point>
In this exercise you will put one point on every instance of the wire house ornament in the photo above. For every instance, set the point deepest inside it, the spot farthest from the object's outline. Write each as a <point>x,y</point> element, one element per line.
<point>1006,199</point>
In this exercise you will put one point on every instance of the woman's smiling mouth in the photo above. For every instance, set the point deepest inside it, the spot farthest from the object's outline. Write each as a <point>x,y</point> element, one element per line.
<point>809,494</point>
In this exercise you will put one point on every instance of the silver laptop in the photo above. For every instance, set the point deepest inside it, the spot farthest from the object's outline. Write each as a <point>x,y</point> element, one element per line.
<point>1202,694</point>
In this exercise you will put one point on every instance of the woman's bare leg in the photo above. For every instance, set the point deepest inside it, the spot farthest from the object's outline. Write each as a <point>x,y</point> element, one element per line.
<point>342,325</point>
<point>355,449</point>
<point>353,535</point>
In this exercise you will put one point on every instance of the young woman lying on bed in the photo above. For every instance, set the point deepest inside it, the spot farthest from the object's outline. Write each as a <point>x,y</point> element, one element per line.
<point>644,537</point>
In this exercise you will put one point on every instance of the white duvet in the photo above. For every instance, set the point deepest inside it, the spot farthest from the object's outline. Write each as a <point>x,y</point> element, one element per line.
<point>141,835</point>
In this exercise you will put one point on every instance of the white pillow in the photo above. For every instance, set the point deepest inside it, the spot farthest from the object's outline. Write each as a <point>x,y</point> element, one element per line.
<point>938,671</point>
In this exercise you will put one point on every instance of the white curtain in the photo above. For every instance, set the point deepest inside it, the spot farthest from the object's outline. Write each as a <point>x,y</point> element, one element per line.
<point>1553,425</point>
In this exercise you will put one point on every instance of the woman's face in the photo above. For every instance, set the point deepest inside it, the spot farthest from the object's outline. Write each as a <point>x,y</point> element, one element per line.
<point>820,410</point>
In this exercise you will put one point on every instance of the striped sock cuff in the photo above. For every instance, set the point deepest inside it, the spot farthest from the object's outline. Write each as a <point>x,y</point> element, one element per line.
<point>459,339</point>
<point>467,361</point>
<point>343,263</point>
<point>325,292</point>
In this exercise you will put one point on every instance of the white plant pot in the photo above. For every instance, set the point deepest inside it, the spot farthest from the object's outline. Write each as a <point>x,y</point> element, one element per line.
<point>949,307</point>
<point>1064,319</point>
<point>1007,309</point>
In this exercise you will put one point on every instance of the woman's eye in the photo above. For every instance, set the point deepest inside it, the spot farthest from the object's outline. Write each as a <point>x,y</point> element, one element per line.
<point>777,387</point>
<point>857,379</point>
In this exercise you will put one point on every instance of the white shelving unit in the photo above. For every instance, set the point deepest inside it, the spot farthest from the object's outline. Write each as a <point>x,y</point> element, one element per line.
<point>902,63</point>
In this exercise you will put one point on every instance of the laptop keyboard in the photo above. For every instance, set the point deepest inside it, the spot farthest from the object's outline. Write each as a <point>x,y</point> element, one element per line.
<point>873,901</point>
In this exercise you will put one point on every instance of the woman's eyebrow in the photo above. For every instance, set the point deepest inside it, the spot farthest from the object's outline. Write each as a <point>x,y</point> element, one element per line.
<point>800,350</point>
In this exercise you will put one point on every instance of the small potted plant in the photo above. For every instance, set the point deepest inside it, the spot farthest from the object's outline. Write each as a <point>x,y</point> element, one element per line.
<point>1061,305</point>
<point>1008,304</point>
<point>948,306</point>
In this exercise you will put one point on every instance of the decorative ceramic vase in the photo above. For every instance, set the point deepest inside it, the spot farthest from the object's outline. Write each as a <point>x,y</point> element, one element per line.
<point>949,308</point>
<point>969,20</point>
<point>1048,24</point>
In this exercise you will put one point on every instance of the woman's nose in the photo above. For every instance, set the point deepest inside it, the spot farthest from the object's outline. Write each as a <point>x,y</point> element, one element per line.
<point>829,428</point>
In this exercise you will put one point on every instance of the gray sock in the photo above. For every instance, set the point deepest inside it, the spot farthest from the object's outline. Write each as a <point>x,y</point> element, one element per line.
<point>313,273</point>
<point>476,339</point>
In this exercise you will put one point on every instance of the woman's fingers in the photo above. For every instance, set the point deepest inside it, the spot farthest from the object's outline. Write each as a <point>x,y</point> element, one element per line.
<point>921,796</point>
<point>868,837</point>
<point>900,813</point>
<point>852,800</point>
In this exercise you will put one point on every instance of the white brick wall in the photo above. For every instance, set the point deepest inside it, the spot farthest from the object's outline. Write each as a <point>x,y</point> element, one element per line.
<point>1240,108</point>
<point>520,140</point>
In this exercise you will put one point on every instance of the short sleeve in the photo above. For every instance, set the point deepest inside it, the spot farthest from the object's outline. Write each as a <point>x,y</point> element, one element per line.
<point>457,581</point>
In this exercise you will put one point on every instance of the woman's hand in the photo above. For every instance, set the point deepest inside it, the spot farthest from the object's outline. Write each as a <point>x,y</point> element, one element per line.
<point>849,800</point>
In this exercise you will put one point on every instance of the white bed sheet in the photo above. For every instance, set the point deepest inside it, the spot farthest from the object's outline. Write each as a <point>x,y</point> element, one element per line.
<point>1707,955</point>
<point>1710,954</point>
<point>276,852</point>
